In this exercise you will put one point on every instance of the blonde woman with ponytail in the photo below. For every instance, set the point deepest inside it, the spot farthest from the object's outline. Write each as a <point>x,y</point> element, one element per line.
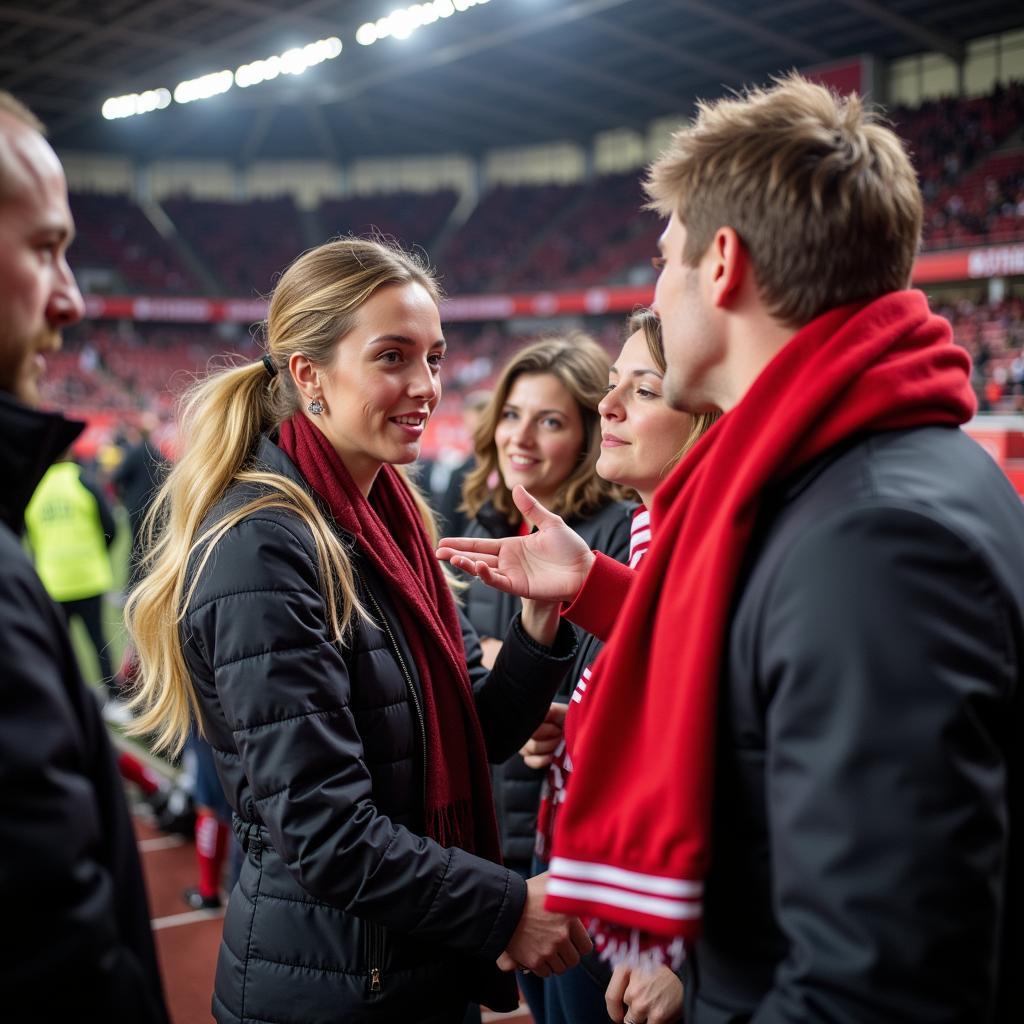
<point>293,609</point>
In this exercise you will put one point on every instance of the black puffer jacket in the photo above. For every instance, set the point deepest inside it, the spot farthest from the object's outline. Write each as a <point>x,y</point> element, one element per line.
<point>516,787</point>
<point>343,911</point>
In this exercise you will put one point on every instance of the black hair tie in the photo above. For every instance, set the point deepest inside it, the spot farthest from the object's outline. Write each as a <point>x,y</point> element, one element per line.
<point>268,365</point>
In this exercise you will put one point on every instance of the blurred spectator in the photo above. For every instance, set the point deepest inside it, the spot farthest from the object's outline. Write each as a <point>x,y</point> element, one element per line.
<point>70,527</point>
<point>136,480</point>
<point>213,836</point>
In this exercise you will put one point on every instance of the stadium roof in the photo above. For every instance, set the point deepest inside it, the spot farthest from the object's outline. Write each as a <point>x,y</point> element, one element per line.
<point>508,72</point>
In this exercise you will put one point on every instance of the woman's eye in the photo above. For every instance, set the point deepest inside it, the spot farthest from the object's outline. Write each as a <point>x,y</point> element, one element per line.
<point>647,393</point>
<point>552,424</point>
<point>609,389</point>
<point>508,414</point>
<point>437,359</point>
<point>390,357</point>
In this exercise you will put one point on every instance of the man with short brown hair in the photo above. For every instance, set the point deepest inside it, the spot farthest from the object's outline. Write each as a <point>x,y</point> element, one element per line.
<point>801,756</point>
<point>76,941</point>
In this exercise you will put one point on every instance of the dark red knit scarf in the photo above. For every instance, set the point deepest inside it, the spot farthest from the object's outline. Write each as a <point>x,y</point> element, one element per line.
<point>631,847</point>
<point>392,537</point>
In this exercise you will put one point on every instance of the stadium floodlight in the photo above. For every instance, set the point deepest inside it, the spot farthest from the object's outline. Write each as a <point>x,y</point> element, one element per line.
<point>401,23</point>
<point>204,87</point>
<point>291,62</point>
<point>136,103</point>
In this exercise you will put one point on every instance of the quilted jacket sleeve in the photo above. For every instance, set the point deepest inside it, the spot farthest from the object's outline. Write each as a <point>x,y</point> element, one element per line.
<point>259,623</point>
<point>513,698</point>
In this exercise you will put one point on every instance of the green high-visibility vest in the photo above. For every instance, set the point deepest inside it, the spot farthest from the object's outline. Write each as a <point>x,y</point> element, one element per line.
<point>63,526</point>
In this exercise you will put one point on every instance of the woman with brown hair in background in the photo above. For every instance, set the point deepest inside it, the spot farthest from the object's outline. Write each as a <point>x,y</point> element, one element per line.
<point>540,430</point>
<point>642,439</point>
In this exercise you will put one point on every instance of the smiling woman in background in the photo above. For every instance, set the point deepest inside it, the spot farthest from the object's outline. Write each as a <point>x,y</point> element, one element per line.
<point>541,430</point>
<point>642,439</point>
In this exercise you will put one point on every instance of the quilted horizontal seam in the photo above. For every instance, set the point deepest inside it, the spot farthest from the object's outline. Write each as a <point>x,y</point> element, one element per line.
<point>275,651</point>
<point>284,721</point>
<point>244,593</point>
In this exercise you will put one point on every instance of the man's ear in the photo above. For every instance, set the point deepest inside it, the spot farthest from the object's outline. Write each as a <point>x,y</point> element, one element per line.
<point>305,375</point>
<point>729,262</point>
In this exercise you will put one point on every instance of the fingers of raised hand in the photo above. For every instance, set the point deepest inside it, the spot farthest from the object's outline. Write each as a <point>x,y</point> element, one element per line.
<point>471,545</point>
<point>467,560</point>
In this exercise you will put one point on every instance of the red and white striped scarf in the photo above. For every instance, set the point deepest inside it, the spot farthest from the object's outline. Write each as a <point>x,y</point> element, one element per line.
<point>553,790</point>
<point>632,844</point>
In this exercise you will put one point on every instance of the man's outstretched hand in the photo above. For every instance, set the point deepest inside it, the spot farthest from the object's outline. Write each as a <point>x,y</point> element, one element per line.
<point>549,564</point>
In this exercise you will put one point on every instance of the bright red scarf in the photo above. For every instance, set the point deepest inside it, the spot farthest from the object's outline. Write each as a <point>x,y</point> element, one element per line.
<point>392,537</point>
<point>631,846</point>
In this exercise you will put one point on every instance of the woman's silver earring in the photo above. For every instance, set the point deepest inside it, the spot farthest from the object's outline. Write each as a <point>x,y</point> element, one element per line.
<point>316,407</point>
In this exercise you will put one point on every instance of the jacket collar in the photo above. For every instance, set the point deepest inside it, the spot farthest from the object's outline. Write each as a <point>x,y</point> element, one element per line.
<point>32,441</point>
<point>270,457</point>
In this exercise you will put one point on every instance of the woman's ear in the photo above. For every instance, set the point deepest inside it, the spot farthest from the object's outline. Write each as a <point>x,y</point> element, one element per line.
<point>305,375</point>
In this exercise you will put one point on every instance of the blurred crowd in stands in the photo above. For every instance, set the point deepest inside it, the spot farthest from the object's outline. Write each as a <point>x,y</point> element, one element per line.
<point>112,377</point>
<point>972,193</point>
<point>993,333</point>
<point>969,153</point>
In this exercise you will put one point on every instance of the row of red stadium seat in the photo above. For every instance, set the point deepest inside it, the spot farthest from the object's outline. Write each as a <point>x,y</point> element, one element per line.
<point>525,236</point>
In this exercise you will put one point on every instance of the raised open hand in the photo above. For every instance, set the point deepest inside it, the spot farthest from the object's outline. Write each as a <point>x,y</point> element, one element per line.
<point>549,564</point>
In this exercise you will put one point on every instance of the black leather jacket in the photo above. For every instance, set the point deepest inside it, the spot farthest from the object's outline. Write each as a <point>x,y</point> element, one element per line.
<point>344,911</point>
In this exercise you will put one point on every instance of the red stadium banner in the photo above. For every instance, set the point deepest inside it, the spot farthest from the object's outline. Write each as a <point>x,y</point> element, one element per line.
<point>593,302</point>
<point>968,264</point>
<point>931,267</point>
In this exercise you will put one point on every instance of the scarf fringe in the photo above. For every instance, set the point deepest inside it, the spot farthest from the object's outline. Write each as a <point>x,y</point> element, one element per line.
<point>633,948</point>
<point>886,365</point>
<point>453,825</point>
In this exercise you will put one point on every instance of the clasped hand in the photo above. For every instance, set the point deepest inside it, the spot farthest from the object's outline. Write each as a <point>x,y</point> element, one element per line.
<point>544,942</point>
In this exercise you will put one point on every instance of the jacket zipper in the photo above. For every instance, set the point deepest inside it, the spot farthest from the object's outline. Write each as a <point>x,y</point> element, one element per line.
<point>413,695</point>
<point>374,954</point>
<point>375,934</point>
